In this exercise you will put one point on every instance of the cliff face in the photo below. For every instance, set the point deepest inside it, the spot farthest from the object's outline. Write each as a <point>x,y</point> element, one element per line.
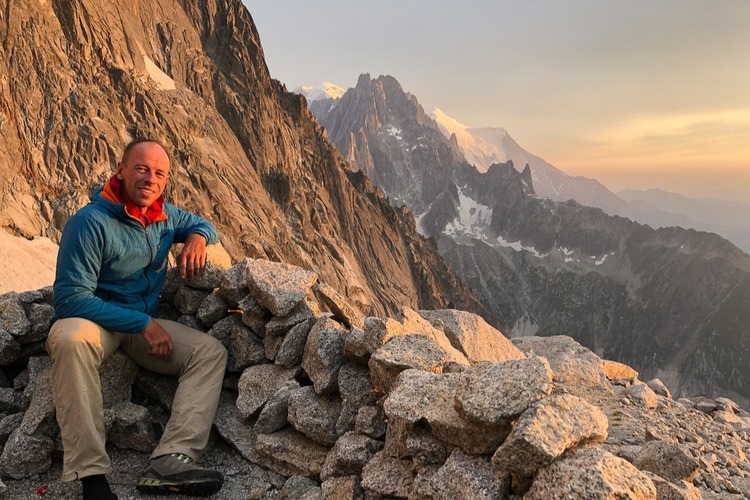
<point>79,79</point>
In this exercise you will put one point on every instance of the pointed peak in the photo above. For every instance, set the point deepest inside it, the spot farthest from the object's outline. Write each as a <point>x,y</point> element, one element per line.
<point>364,79</point>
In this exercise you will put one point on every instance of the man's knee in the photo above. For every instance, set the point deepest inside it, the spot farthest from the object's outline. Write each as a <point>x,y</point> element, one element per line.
<point>71,334</point>
<point>215,350</point>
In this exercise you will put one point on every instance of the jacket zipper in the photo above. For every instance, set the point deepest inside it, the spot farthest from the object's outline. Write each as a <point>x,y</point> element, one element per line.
<point>146,269</point>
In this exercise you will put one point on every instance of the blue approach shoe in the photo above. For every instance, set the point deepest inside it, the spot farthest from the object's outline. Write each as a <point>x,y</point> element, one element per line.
<point>177,473</point>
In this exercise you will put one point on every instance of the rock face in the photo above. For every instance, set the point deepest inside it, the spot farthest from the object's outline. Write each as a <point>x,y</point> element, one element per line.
<point>448,429</point>
<point>84,78</point>
<point>544,267</point>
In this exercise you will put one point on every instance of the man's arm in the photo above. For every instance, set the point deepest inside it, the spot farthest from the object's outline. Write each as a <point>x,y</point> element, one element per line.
<point>159,340</point>
<point>196,232</point>
<point>193,256</point>
<point>79,262</point>
<point>186,224</point>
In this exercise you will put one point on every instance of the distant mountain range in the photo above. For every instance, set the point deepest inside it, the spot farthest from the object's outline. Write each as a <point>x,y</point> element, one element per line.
<point>657,208</point>
<point>671,302</point>
<point>482,147</point>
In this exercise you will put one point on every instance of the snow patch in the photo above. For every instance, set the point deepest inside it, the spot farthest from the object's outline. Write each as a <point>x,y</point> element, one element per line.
<point>601,261</point>
<point>395,132</point>
<point>517,246</point>
<point>322,91</point>
<point>478,151</point>
<point>472,220</point>
<point>26,264</point>
<point>418,220</point>
<point>163,81</point>
<point>524,327</point>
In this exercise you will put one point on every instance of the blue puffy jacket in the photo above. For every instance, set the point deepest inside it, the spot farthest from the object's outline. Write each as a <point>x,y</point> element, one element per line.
<point>110,268</point>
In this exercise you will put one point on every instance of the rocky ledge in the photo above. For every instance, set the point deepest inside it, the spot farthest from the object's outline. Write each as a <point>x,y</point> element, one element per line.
<point>321,402</point>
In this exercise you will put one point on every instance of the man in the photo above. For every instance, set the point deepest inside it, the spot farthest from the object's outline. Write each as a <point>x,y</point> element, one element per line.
<point>111,267</point>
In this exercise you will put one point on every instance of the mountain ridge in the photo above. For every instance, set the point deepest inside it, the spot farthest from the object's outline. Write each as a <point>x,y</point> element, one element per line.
<point>727,218</point>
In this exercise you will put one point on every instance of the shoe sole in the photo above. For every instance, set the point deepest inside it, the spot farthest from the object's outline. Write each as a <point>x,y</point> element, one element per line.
<point>196,489</point>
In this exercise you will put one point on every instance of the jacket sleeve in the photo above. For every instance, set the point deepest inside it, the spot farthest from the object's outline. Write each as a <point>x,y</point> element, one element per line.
<point>186,224</point>
<point>79,262</point>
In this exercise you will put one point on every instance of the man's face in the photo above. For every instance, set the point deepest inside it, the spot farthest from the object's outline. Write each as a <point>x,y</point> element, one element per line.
<point>143,173</point>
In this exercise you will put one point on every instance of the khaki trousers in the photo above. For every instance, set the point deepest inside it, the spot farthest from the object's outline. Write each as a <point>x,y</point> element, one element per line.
<point>78,347</point>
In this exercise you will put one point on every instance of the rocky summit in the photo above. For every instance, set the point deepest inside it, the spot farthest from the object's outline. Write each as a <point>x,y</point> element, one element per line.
<point>323,402</point>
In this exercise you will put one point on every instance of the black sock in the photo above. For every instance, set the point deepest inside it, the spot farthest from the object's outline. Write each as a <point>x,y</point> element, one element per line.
<point>97,488</point>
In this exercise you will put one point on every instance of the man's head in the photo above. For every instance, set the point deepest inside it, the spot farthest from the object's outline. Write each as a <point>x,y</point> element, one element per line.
<point>143,172</point>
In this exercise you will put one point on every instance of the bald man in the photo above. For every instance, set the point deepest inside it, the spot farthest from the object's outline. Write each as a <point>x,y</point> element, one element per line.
<point>111,266</point>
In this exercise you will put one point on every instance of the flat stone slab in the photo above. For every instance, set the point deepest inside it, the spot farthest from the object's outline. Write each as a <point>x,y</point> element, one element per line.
<point>406,352</point>
<point>615,370</point>
<point>385,476</point>
<point>466,476</point>
<point>277,286</point>
<point>576,368</point>
<point>495,393</point>
<point>324,354</point>
<point>291,453</point>
<point>257,384</point>
<point>547,429</point>
<point>339,306</point>
<point>473,336</point>
<point>314,416</point>
<point>419,395</point>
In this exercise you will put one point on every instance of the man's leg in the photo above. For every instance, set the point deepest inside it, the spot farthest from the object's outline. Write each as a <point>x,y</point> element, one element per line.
<point>77,348</point>
<point>199,362</point>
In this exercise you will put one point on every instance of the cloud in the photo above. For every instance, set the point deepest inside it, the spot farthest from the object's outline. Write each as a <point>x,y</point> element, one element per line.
<point>714,137</point>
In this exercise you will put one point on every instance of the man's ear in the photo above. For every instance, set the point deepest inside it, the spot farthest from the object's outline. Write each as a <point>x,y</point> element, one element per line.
<point>118,172</point>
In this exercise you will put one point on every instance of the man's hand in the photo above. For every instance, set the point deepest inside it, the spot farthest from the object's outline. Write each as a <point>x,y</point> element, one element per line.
<point>193,256</point>
<point>158,339</point>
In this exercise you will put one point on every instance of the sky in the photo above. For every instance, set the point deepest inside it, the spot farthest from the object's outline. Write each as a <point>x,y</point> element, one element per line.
<point>637,94</point>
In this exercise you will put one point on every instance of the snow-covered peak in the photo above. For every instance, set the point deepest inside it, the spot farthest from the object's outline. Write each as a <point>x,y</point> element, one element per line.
<point>449,123</point>
<point>323,91</point>
<point>484,146</point>
<point>478,151</point>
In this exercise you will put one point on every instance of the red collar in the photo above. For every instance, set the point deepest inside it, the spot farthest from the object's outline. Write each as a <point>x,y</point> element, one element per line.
<point>113,192</point>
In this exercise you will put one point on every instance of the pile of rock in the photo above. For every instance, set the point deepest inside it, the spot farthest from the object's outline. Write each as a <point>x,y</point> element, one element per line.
<point>428,404</point>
